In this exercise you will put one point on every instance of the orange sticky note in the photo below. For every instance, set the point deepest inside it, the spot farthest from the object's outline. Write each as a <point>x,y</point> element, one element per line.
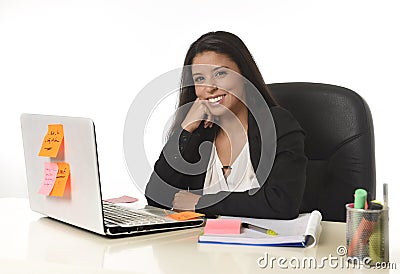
<point>61,179</point>
<point>185,215</point>
<point>222,226</point>
<point>50,173</point>
<point>52,141</point>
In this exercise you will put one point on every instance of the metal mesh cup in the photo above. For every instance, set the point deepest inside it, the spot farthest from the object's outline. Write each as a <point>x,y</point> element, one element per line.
<point>367,235</point>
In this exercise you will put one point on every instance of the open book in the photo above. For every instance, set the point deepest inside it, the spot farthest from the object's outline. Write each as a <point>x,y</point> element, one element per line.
<point>303,231</point>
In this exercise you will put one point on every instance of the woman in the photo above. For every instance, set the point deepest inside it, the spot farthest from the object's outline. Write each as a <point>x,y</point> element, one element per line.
<point>216,107</point>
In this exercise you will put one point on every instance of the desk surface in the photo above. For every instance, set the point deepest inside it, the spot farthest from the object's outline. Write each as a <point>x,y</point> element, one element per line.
<point>36,244</point>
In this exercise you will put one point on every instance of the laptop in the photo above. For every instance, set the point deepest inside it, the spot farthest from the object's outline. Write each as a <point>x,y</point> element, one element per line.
<point>81,203</point>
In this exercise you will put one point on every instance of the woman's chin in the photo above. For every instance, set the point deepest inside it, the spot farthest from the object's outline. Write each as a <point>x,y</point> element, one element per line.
<point>218,110</point>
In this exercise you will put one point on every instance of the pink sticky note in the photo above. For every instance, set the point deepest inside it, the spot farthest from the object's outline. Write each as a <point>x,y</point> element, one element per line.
<point>50,173</point>
<point>222,226</point>
<point>122,199</point>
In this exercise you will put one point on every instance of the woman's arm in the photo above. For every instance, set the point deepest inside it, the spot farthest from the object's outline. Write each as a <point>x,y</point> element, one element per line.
<point>172,170</point>
<point>280,196</point>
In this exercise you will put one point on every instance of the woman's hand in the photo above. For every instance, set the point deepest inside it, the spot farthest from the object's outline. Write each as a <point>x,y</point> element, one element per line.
<point>197,113</point>
<point>185,201</point>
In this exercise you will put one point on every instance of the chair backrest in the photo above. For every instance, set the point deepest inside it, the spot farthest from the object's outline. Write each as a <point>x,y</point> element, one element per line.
<point>339,143</point>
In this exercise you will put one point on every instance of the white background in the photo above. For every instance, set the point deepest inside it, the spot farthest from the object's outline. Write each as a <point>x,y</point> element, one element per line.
<point>90,58</point>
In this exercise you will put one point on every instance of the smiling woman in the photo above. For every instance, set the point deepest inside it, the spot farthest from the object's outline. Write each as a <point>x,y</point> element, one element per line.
<point>221,97</point>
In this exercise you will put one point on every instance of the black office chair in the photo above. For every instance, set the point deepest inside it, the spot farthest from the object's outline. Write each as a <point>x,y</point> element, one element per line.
<point>339,144</point>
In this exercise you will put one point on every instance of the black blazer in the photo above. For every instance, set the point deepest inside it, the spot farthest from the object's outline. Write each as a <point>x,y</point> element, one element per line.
<point>278,197</point>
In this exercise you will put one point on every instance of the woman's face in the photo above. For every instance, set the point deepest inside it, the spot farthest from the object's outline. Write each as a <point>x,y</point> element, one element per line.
<point>217,79</point>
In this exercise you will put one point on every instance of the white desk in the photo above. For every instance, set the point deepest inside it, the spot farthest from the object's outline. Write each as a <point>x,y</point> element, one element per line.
<point>31,243</point>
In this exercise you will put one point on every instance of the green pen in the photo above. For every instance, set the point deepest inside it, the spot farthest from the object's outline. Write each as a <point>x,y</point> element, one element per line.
<point>267,231</point>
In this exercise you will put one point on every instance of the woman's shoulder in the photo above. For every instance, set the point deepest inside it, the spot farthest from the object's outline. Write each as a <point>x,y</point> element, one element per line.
<point>284,121</point>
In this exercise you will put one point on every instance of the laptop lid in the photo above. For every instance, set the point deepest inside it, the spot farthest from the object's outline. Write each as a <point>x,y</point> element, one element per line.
<point>80,204</point>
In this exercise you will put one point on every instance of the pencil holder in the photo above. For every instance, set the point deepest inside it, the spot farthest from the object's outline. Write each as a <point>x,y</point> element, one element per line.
<point>367,235</point>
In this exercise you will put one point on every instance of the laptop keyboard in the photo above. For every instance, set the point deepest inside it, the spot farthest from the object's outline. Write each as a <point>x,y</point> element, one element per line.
<point>118,215</point>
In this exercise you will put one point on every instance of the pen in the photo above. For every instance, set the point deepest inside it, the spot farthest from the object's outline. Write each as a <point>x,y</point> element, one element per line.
<point>267,231</point>
<point>385,196</point>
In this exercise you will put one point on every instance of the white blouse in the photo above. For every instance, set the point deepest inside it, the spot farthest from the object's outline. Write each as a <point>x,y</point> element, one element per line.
<point>241,178</point>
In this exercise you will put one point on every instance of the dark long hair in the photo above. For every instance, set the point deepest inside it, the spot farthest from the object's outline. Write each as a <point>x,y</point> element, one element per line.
<point>230,45</point>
